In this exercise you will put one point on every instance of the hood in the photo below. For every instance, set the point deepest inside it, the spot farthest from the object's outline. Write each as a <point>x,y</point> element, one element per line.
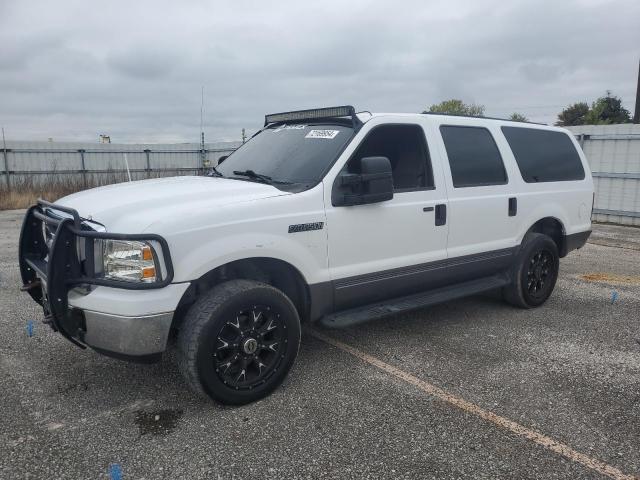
<point>133,206</point>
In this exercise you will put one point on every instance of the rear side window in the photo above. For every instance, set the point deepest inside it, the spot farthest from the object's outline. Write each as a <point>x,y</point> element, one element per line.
<point>473,156</point>
<point>543,155</point>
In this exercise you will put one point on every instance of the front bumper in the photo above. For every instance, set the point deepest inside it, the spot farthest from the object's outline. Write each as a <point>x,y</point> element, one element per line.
<point>128,324</point>
<point>141,339</point>
<point>56,256</point>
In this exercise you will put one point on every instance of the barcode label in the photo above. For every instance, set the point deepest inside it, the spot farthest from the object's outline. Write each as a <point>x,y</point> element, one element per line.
<point>322,134</point>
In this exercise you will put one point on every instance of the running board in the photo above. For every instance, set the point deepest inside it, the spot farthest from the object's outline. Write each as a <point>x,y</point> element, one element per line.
<point>356,316</point>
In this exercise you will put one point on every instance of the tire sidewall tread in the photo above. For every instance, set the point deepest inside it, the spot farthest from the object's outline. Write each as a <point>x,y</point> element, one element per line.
<point>203,316</point>
<point>514,293</point>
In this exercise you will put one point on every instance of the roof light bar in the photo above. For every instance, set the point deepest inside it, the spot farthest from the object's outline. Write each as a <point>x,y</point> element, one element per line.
<point>313,114</point>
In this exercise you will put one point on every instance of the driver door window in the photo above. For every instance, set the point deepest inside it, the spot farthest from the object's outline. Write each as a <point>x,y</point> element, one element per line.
<point>406,149</point>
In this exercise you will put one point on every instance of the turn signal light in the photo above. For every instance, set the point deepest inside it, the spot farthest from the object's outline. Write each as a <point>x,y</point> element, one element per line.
<point>146,253</point>
<point>148,272</point>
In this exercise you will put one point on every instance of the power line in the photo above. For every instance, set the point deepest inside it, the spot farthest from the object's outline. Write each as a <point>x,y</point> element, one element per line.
<point>523,107</point>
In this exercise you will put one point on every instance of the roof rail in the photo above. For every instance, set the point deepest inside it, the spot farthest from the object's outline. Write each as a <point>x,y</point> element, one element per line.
<point>481,116</point>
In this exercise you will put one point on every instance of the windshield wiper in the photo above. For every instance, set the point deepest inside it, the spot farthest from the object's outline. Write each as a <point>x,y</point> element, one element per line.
<point>214,172</point>
<point>253,175</point>
<point>258,177</point>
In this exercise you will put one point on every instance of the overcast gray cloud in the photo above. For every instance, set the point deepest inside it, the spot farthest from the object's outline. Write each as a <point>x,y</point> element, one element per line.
<point>74,69</point>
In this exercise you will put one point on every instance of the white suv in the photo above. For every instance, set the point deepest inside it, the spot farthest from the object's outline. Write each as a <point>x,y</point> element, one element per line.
<point>324,216</point>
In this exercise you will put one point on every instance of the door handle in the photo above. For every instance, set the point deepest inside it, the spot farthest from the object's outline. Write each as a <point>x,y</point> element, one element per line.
<point>513,206</point>
<point>441,214</point>
<point>427,209</point>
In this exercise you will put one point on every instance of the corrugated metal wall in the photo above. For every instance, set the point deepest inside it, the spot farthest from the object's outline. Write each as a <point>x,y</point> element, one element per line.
<point>613,151</point>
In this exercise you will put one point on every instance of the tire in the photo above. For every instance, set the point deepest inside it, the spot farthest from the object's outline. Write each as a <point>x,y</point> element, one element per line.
<point>238,341</point>
<point>535,273</point>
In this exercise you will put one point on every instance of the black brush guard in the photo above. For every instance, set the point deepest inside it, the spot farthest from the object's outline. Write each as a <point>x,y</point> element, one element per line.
<point>50,271</point>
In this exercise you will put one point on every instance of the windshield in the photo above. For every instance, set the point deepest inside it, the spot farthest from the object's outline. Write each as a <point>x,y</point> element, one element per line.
<point>293,154</point>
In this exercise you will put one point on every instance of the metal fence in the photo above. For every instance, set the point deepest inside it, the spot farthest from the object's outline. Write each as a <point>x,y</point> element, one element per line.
<point>613,152</point>
<point>40,162</point>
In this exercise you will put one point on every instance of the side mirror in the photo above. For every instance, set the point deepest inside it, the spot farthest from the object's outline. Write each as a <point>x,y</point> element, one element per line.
<point>373,184</point>
<point>222,159</point>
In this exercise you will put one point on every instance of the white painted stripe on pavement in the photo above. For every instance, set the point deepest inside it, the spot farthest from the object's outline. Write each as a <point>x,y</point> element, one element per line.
<point>520,430</point>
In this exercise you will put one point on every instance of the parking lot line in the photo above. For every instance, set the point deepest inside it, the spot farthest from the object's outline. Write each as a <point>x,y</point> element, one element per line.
<point>513,427</point>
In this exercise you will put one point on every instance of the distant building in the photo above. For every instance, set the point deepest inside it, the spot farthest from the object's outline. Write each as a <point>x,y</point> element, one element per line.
<point>105,139</point>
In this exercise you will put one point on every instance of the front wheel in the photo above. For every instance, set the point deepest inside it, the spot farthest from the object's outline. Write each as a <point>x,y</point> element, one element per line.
<point>535,274</point>
<point>238,341</point>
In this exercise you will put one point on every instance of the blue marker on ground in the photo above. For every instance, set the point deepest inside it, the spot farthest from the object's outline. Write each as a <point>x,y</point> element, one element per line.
<point>115,471</point>
<point>30,328</point>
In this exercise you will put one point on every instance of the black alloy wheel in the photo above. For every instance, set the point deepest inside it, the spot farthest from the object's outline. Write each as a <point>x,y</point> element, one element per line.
<point>249,347</point>
<point>238,341</point>
<point>539,271</point>
<point>534,272</point>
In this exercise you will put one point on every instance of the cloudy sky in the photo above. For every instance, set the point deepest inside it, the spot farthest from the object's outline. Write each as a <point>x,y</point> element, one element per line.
<point>71,70</point>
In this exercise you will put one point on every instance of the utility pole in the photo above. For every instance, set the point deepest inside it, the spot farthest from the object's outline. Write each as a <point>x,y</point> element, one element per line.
<point>636,117</point>
<point>203,156</point>
<point>244,136</point>
<point>6,160</point>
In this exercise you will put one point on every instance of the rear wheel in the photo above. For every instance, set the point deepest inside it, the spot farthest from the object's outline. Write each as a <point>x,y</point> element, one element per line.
<point>536,272</point>
<point>239,341</point>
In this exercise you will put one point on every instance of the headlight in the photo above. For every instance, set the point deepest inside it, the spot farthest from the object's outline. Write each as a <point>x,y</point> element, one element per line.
<point>128,260</point>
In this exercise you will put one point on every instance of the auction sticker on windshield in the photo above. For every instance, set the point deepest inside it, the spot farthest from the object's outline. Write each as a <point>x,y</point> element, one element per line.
<point>322,134</point>
<point>290,127</point>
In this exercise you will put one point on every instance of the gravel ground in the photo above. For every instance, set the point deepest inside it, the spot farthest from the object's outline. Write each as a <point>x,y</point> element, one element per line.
<point>570,370</point>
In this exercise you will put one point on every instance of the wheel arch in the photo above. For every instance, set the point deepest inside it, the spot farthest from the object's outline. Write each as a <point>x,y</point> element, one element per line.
<point>272,271</point>
<point>553,228</point>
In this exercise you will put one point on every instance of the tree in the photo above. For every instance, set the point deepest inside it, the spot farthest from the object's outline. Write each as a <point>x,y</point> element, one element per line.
<point>457,107</point>
<point>518,117</point>
<point>573,115</point>
<point>606,110</point>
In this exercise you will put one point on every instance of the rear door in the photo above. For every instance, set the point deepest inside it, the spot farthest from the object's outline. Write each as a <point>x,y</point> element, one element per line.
<point>482,217</point>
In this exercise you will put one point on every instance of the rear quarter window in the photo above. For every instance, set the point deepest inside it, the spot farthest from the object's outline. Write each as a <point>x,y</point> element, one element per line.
<point>544,155</point>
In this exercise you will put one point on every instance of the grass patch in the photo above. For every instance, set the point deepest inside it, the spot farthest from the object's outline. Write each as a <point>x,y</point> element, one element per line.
<point>25,190</point>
